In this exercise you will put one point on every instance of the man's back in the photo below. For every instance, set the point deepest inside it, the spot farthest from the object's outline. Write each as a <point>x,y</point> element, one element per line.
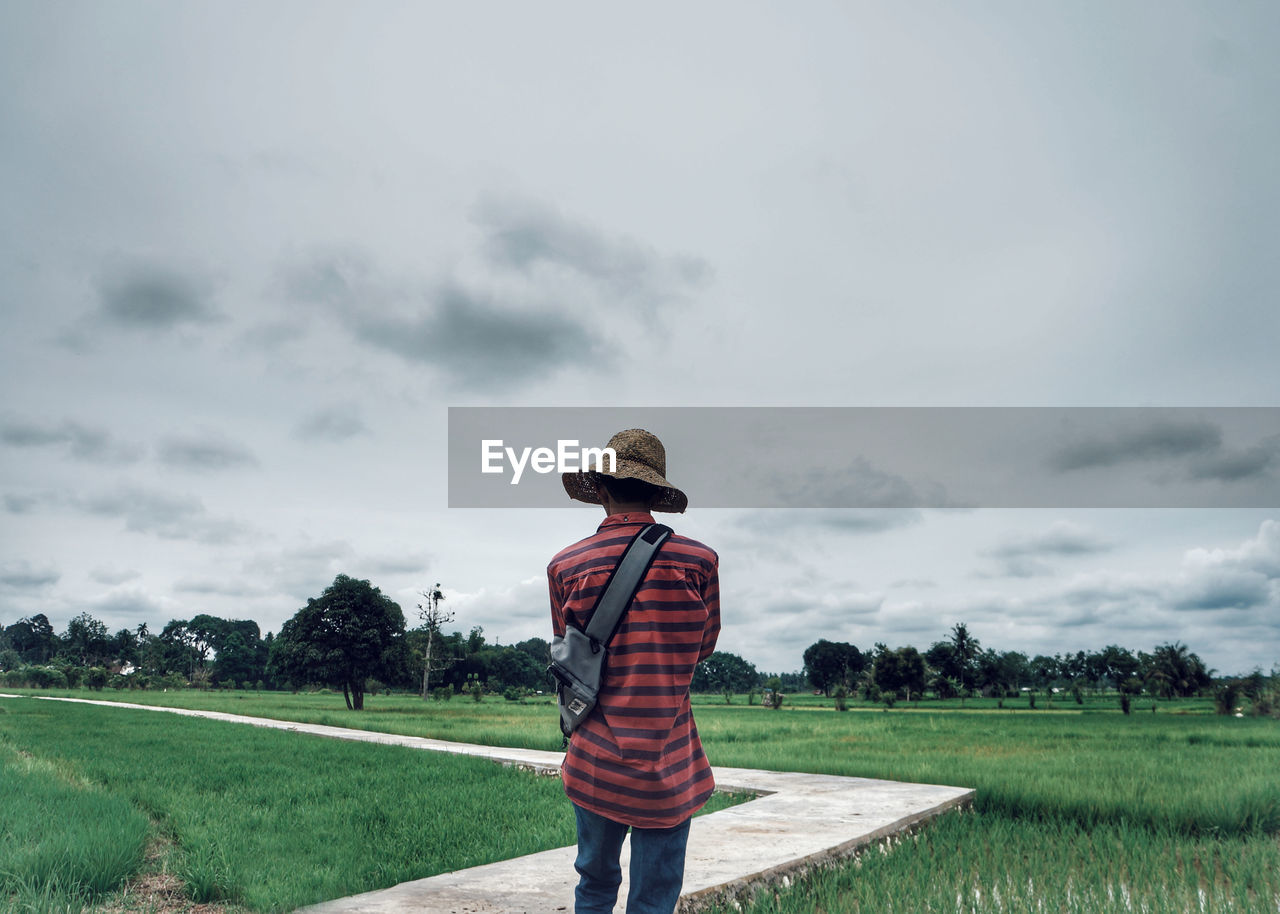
<point>637,758</point>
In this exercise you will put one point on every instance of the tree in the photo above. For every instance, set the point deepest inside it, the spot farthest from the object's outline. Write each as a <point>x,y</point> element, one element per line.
<point>830,664</point>
<point>1174,671</point>
<point>432,618</point>
<point>898,671</point>
<point>237,660</point>
<point>966,651</point>
<point>350,633</point>
<point>1118,664</point>
<point>33,638</point>
<point>723,670</point>
<point>87,641</point>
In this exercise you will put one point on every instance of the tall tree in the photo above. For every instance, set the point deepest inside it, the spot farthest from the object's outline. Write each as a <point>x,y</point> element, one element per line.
<point>966,648</point>
<point>433,616</point>
<point>350,633</point>
<point>87,641</point>
<point>33,638</point>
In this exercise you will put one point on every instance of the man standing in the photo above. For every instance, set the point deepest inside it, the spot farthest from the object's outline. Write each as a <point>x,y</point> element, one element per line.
<point>636,761</point>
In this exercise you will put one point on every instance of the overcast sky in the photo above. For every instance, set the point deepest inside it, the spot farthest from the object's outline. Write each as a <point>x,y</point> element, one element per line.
<point>250,253</point>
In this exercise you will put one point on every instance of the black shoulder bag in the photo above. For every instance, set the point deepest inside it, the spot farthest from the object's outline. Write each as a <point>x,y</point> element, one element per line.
<point>577,659</point>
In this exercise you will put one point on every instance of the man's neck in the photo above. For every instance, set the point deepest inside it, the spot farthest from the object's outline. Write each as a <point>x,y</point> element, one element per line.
<point>612,507</point>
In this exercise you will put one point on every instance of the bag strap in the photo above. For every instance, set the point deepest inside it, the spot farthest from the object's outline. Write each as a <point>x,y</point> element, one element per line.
<point>624,582</point>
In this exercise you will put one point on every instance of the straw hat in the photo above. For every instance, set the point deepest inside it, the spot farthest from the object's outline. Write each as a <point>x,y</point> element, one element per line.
<point>640,456</point>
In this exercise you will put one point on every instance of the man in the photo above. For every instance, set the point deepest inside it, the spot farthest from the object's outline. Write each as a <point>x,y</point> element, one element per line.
<point>636,761</point>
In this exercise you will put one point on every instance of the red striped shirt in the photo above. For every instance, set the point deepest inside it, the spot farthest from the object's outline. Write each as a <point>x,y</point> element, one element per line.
<point>637,758</point>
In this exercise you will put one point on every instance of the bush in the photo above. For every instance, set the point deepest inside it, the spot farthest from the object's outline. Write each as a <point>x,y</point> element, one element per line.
<point>74,674</point>
<point>1125,702</point>
<point>513,693</point>
<point>773,696</point>
<point>173,681</point>
<point>442,693</point>
<point>118,682</point>
<point>842,699</point>
<point>1226,697</point>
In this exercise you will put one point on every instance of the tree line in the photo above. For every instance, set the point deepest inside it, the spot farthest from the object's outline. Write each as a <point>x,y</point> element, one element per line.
<point>351,637</point>
<point>354,637</point>
<point>958,666</point>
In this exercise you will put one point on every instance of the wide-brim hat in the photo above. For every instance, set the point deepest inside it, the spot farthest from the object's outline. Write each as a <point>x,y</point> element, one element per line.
<point>640,455</point>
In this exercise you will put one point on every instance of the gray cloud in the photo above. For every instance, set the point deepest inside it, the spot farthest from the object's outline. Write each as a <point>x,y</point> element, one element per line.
<point>142,295</point>
<point>481,346</point>
<point>161,514</point>
<point>857,482</point>
<point>396,564</point>
<point>129,606</point>
<point>839,520</point>
<point>227,588</point>
<point>1025,557</point>
<point>1222,589</point>
<point>1155,441</point>
<point>92,445</point>
<point>914,582</point>
<point>524,235</point>
<point>271,335</point>
<point>334,423</point>
<point>477,339</point>
<point>301,571</point>
<point>1234,466</point>
<point>1105,593</point>
<point>24,576</point>
<point>337,277</point>
<point>1240,578</point>
<point>114,575</point>
<point>26,503</point>
<point>207,452</point>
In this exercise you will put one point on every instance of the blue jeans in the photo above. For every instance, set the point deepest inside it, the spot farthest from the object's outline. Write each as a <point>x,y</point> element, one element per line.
<point>657,865</point>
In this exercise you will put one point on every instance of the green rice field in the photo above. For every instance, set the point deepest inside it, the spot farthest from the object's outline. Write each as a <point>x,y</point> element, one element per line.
<point>1079,808</point>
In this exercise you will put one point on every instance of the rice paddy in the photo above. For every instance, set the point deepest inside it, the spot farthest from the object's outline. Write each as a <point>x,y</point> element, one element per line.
<point>1077,810</point>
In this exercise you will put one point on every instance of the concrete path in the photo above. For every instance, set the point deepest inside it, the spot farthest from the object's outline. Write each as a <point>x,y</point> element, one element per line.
<point>797,821</point>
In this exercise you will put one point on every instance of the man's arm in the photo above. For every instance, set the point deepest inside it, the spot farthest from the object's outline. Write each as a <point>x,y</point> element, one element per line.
<point>711,597</point>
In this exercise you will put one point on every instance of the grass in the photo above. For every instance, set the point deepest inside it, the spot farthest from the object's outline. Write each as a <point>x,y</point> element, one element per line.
<point>60,835</point>
<point>1079,808</point>
<point>1166,770</point>
<point>265,819</point>
<point>983,862</point>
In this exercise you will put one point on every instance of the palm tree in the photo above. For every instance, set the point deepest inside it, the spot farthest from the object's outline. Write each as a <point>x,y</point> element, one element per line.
<point>1178,671</point>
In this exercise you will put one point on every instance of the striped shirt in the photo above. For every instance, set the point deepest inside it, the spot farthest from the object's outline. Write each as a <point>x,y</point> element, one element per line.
<point>637,758</point>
